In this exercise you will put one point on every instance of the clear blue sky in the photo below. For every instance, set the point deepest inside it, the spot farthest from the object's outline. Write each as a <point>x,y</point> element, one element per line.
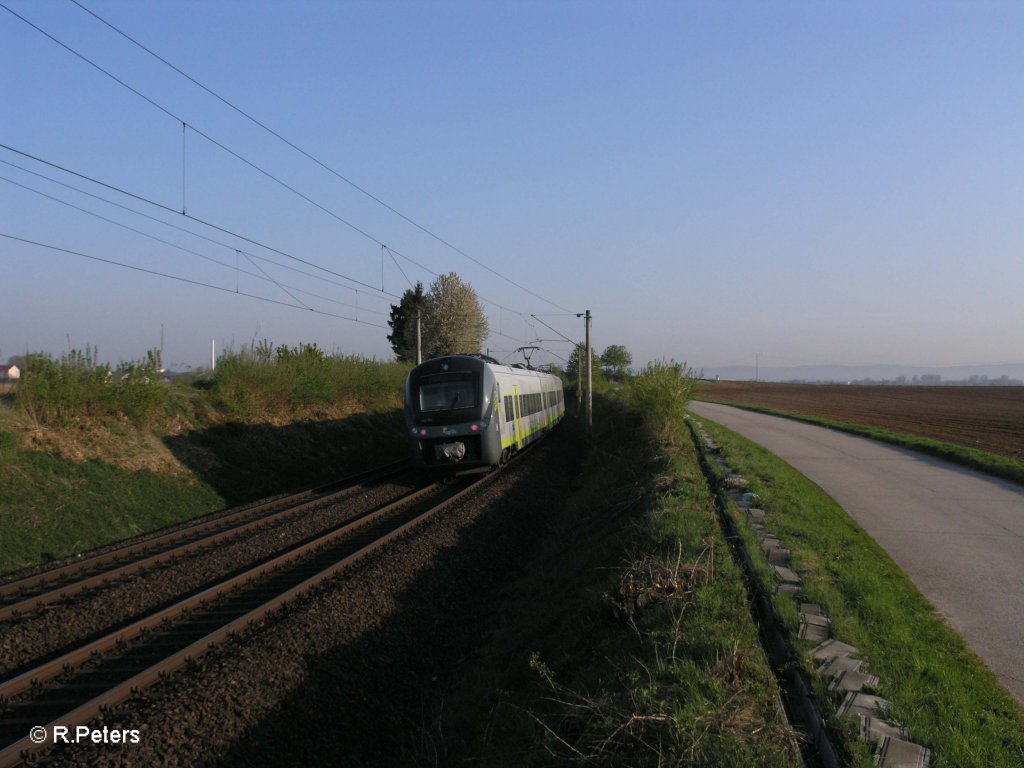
<point>812,181</point>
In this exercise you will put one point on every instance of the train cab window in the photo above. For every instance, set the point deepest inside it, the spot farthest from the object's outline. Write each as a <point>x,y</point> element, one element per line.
<point>448,392</point>
<point>509,408</point>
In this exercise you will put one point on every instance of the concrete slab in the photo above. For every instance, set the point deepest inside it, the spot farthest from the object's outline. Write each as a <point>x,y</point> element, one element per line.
<point>812,609</point>
<point>755,514</point>
<point>739,482</point>
<point>816,619</point>
<point>873,729</point>
<point>787,575</point>
<point>853,681</point>
<point>896,753</point>
<point>840,664</point>
<point>778,556</point>
<point>770,542</point>
<point>832,649</point>
<point>789,590</point>
<point>814,632</point>
<point>857,703</point>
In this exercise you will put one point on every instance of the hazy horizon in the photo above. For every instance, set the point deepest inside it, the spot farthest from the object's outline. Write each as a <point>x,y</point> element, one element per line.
<point>812,183</point>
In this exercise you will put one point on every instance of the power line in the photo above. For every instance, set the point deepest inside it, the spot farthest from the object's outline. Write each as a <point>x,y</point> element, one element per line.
<point>233,268</point>
<point>555,330</point>
<point>196,219</point>
<point>266,173</point>
<point>161,206</point>
<point>309,156</point>
<point>220,243</point>
<point>260,169</point>
<point>184,279</point>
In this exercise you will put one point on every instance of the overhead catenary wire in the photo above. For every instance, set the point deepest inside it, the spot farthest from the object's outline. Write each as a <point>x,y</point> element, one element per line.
<point>314,159</point>
<point>257,167</point>
<point>231,152</point>
<point>229,232</point>
<point>177,246</point>
<point>182,279</point>
<point>196,219</point>
<point>555,330</point>
<point>176,227</point>
<point>199,221</point>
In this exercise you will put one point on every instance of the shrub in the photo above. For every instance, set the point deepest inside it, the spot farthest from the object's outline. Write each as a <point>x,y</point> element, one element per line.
<point>78,387</point>
<point>263,378</point>
<point>661,391</point>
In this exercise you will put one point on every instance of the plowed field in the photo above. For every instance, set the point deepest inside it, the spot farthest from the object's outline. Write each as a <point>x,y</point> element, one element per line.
<point>990,419</point>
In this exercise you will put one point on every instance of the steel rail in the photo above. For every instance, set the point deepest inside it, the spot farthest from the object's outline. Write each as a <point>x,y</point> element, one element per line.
<point>22,748</point>
<point>55,667</point>
<point>191,537</point>
<point>15,752</point>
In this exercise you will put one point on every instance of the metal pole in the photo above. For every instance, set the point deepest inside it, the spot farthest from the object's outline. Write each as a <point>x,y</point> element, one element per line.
<point>590,381</point>
<point>213,354</point>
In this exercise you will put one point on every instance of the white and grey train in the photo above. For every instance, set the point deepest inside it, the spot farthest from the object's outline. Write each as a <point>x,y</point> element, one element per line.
<point>465,413</point>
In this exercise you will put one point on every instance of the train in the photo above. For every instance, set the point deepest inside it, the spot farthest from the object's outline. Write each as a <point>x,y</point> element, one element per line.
<point>469,413</point>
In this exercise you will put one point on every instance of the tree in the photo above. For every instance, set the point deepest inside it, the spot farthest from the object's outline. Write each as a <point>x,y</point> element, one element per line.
<point>616,360</point>
<point>403,324</point>
<point>453,320</point>
<point>575,359</point>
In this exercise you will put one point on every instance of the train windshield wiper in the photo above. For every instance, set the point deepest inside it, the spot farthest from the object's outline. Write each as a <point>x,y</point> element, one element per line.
<point>454,401</point>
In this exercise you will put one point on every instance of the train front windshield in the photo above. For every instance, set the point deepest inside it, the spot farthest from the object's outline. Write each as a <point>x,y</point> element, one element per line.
<point>448,392</point>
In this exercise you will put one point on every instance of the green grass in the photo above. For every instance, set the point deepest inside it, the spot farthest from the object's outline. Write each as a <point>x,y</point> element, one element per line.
<point>51,507</point>
<point>577,672</point>
<point>269,420</point>
<point>260,380</point>
<point>939,689</point>
<point>999,466</point>
<point>78,389</point>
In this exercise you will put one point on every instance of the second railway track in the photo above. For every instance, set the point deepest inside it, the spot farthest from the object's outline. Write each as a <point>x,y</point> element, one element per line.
<point>73,688</point>
<point>23,595</point>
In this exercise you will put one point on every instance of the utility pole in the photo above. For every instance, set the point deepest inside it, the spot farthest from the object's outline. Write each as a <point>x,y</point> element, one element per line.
<point>419,340</point>
<point>213,355</point>
<point>579,376</point>
<point>757,365</point>
<point>590,380</point>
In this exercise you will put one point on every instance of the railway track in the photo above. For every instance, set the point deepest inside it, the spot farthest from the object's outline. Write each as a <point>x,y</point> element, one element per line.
<point>22,596</point>
<point>74,688</point>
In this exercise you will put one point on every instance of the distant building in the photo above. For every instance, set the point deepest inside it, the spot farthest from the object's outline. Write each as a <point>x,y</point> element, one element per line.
<point>931,379</point>
<point>9,373</point>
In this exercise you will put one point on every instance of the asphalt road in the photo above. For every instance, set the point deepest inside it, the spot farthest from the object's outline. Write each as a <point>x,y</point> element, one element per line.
<point>958,534</point>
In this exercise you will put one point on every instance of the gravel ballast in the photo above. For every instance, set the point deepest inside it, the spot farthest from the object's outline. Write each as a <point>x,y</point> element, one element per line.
<point>355,673</point>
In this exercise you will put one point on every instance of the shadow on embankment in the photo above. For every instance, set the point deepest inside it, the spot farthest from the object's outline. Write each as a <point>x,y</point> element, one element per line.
<point>244,462</point>
<point>393,636</point>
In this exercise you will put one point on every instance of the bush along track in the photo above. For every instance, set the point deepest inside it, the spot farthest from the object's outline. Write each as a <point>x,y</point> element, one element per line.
<point>841,603</point>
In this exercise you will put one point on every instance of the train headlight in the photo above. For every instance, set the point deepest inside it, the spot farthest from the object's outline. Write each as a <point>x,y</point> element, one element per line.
<point>475,427</point>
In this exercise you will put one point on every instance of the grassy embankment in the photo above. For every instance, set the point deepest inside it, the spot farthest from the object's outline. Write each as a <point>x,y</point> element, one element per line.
<point>90,455</point>
<point>998,466</point>
<point>628,640</point>
<point>938,688</point>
